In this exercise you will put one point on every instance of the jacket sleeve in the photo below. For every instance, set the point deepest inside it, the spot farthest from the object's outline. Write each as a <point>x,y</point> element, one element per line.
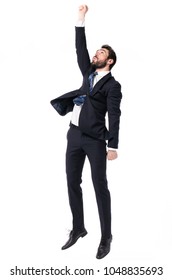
<point>113,108</point>
<point>83,58</point>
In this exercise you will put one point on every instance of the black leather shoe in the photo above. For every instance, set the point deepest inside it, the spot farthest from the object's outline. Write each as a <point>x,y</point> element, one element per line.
<point>104,248</point>
<point>73,237</point>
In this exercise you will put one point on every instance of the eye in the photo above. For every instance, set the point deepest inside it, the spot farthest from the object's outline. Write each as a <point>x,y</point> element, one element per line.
<point>102,52</point>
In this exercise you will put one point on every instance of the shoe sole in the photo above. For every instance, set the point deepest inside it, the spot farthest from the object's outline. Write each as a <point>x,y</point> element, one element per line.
<point>81,235</point>
<point>99,258</point>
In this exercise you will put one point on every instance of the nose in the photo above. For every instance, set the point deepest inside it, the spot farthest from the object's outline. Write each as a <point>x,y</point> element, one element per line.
<point>97,53</point>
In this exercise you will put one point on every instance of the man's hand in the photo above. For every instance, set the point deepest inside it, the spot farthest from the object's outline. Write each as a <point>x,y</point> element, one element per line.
<point>111,155</point>
<point>82,11</point>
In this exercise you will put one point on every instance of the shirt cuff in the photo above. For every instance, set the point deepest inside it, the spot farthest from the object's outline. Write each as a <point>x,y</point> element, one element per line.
<point>80,23</point>
<point>111,149</point>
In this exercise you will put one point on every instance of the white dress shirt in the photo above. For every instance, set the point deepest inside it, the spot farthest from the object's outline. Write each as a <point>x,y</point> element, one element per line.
<point>77,109</point>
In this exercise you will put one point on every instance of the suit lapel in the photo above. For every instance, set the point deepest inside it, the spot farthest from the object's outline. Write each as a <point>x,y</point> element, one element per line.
<point>101,82</point>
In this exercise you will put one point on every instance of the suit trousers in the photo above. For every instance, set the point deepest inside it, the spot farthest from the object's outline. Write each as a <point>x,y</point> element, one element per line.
<point>79,146</point>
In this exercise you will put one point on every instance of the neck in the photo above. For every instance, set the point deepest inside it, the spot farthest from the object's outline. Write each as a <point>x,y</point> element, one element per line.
<point>106,68</point>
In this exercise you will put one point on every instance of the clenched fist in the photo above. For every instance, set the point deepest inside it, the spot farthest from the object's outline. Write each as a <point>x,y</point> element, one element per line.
<point>111,155</point>
<point>82,11</point>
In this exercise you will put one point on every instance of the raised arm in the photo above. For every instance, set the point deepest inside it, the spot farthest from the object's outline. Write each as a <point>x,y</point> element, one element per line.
<point>81,45</point>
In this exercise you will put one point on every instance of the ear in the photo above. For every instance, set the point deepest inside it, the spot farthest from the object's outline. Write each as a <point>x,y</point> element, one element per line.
<point>110,61</point>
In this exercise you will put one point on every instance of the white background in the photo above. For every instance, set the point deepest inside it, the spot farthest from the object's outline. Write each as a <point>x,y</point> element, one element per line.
<point>36,50</point>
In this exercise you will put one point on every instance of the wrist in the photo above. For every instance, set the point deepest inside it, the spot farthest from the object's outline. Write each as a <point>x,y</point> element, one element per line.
<point>81,17</point>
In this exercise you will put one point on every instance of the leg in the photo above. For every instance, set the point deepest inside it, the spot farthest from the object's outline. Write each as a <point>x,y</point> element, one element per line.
<point>96,152</point>
<point>75,158</point>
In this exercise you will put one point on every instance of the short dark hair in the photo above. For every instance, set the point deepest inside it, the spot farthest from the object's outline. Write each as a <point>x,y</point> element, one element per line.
<point>112,55</point>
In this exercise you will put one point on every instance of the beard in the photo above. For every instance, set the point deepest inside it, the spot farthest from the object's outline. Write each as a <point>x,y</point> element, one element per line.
<point>99,64</point>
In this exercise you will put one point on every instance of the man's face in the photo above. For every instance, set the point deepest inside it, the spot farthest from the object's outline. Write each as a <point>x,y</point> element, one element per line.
<point>100,58</point>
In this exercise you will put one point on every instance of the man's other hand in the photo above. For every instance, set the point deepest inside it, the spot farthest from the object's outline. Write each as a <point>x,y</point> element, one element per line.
<point>111,155</point>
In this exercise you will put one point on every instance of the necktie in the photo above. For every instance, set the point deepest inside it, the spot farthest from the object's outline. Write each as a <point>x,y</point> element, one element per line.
<point>91,80</point>
<point>79,100</point>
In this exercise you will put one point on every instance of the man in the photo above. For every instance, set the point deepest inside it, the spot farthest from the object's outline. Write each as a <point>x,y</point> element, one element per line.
<point>99,94</point>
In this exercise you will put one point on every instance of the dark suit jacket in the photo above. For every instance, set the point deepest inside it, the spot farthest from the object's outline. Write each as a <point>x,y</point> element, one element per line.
<point>105,98</point>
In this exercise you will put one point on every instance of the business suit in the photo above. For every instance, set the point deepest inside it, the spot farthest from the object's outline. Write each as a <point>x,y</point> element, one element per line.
<point>89,138</point>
